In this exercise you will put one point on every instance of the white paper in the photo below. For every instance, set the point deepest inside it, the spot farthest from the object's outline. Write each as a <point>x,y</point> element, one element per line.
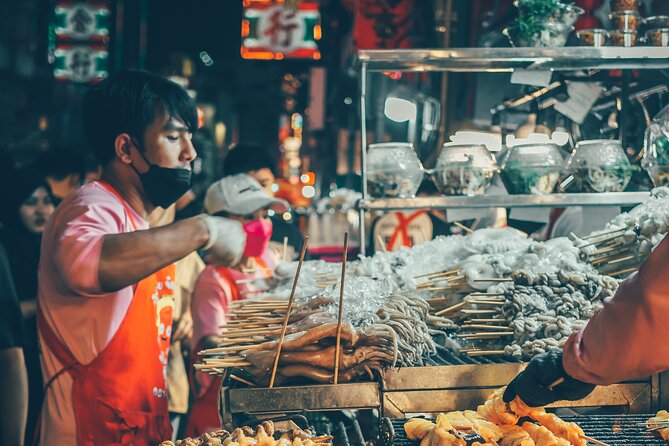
<point>536,78</point>
<point>596,217</point>
<point>582,96</point>
<point>538,215</point>
<point>457,214</point>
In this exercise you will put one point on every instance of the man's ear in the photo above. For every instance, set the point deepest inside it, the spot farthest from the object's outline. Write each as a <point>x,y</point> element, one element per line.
<point>122,147</point>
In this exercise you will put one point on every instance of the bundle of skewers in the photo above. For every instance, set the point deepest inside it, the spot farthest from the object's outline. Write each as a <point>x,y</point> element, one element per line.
<point>525,314</point>
<point>616,252</point>
<point>274,340</point>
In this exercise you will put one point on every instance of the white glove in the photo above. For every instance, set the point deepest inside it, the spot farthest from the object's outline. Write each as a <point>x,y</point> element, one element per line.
<point>227,241</point>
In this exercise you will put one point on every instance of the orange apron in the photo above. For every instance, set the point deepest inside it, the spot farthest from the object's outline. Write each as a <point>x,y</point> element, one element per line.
<point>204,413</point>
<point>120,397</point>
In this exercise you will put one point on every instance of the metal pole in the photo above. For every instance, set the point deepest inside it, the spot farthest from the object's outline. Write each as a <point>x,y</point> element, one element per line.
<point>444,76</point>
<point>143,15</point>
<point>363,148</point>
<point>118,34</point>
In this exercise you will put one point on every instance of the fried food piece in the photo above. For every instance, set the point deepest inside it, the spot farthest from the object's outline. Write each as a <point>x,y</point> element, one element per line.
<point>571,432</point>
<point>458,421</point>
<point>442,422</point>
<point>486,429</point>
<point>660,419</point>
<point>442,437</point>
<point>418,428</point>
<point>542,436</point>
<point>496,410</point>
<point>515,436</point>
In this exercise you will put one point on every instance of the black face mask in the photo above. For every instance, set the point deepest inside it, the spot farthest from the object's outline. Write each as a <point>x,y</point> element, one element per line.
<point>163,185</point>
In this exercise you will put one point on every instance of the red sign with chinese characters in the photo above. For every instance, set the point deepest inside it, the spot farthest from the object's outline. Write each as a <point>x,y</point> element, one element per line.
<point>274,29</point>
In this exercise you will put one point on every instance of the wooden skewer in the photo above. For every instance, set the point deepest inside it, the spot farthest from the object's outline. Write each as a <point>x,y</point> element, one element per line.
<point>219,350</point>
<point>325,275</point>
<point>284,252</point>
<point>381,244</point>
<point>249,333</point>
<point>593,440</point>
<point>476,321</point>
<point>486,302</point>
<point>245,281</point>
<point>341,309</point>
<point>613,231</point>
<point>450,309</point>
<point>438,273</point>
<point>555,383</point>
<point>619,273</point>
<point>485,327</point>
<point>487,294</point>
<point>242,380</point>
<point>239,341</point>
<point>480,311</point>
<point>290,307</point>
<point>495,333</point>
<point>463,227</point>
<point>485,352</point>
<point>495,279</point>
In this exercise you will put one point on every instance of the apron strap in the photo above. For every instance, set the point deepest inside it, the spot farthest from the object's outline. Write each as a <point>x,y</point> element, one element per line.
<point>63,355</point>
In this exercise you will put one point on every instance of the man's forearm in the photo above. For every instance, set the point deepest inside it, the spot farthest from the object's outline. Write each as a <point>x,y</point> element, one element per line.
<point>14,401</point>
<point>128,258</point>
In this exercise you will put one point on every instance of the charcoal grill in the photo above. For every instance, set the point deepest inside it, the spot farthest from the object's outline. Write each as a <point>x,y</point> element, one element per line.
<point>614,430</point>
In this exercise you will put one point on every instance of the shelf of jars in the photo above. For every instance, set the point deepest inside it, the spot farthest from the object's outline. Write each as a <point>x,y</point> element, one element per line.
<point>509,59</point>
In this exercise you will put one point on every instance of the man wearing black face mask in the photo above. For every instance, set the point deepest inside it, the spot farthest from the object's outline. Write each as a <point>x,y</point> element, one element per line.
<point>106,280</point>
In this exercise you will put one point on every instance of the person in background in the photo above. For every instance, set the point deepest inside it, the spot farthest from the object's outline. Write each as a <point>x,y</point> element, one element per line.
<point>25,211</point>
<point>14,378</point>
<point>106,281</point>
<point>64,169</point>
<point>188,270</point>
<point>261,165</point>
<point>243,199</point>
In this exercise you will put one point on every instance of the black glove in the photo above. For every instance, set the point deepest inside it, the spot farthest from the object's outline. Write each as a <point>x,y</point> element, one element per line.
<point>532,384</point>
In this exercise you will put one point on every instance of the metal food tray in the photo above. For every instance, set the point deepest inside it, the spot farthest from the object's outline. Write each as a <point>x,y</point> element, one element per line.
<point>614,430</point>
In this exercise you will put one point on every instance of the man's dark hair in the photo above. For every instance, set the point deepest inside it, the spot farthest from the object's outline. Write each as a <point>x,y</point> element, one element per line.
<point>61,162</point>
<point>128,102</point>
<point>245,158</point>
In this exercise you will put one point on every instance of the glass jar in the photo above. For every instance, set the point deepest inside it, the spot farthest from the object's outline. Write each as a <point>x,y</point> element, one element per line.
<point>599,165</point>
<point>625,20</point>
<point>464,169</point>
<point>592,37</point>
<point>656,149</point>
<point>393,170</point>
<point>532,168</point>
<point>658,37</point>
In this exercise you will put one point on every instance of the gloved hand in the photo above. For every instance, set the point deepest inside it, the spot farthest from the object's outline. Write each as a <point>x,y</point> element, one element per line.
<point>227,240</point>
<point>532,384</point>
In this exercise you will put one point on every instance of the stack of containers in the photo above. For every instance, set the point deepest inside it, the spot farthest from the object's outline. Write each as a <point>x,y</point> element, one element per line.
<point>625,21</point>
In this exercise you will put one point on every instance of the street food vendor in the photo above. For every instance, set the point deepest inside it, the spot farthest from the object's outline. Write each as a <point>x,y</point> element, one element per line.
<point>624,340</point>
<point>241,198</point>
<point>106,280</point>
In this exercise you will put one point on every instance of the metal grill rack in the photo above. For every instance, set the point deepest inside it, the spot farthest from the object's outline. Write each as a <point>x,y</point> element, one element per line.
<point>614,430</point>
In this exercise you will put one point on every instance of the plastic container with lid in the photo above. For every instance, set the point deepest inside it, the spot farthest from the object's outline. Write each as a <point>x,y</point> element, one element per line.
<point>595,37</point>
<point>532,168</point>
<point>624,5</point>
<point>623,38</point>
<point>625,20</point>
<point>393,170</point>
<point>599,165</point>
<point>656,21</point>
<point>657,37</point>
<point>464,169</point>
